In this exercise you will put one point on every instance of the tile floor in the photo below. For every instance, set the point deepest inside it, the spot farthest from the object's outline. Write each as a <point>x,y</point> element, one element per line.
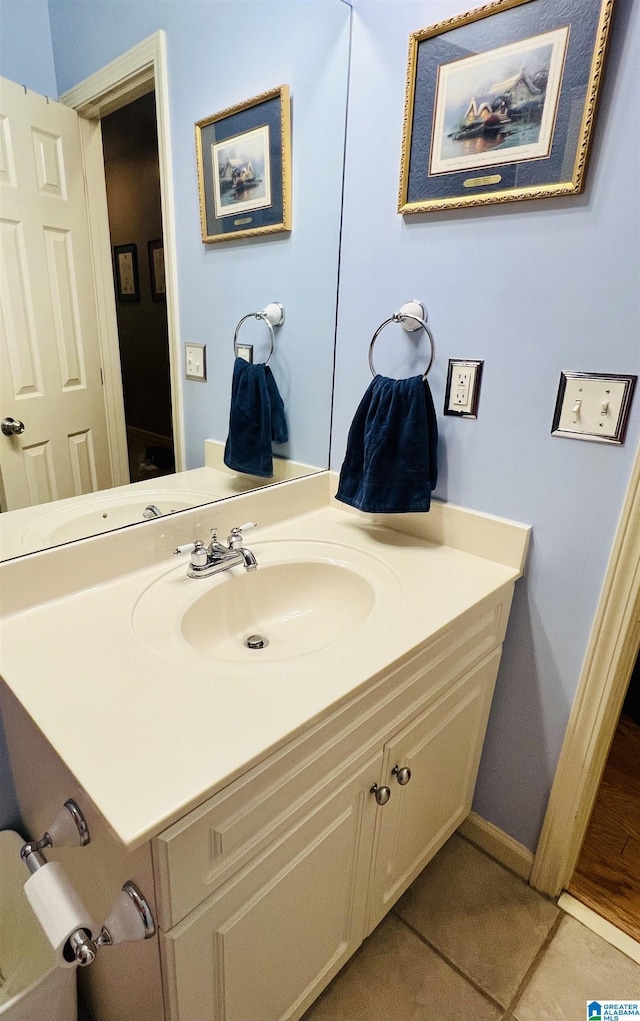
<point>470,941</point>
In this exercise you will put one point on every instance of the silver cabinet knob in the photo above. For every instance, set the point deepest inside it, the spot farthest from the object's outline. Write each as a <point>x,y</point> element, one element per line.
<point>382,794</point>
<point>12,427</point>
<point>402,774</point>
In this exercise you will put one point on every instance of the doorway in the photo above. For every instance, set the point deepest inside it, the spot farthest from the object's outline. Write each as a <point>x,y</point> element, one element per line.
<point>607,874</point>
<point>134,204</point>
<point>140,71</point>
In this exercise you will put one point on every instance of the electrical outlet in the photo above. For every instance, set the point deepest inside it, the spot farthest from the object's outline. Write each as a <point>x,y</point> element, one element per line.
<point>195,361</point>
<point>463,388</point>
<point>245,351</point>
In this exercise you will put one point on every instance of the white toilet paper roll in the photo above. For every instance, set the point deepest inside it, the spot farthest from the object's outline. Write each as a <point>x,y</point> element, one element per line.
<point>57,907</point>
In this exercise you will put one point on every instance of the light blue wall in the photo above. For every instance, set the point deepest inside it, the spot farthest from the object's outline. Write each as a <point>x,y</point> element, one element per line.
<point>221,52</point>
<point>531,288</point>
<point>26,55</point>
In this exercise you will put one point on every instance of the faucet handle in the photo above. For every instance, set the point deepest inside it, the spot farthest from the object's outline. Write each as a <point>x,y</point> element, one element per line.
<point>197,551</point>
<point>187,547</point>
<point>235,536</point>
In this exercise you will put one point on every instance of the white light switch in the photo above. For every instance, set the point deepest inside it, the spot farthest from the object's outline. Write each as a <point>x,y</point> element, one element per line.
<point>463,384</point>
<point>592,407</point>
<point>195,361</point>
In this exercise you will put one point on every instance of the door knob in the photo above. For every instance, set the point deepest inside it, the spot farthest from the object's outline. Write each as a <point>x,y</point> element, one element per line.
<point>382,794</point>
<point>402,774</point>
<point>11,427</point>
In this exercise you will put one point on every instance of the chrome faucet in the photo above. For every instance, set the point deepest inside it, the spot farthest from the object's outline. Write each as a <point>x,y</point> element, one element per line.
<point>211,559</point>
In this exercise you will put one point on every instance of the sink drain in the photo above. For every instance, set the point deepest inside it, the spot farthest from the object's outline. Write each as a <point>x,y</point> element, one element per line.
<point>256,642</point>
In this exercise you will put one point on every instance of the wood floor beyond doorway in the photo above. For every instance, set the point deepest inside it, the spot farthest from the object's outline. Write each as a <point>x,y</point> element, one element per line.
<point>607,876</point>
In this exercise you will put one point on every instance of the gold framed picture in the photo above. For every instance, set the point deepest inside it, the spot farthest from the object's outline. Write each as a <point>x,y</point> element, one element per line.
<point>244,168</point>
<point>500,103</point>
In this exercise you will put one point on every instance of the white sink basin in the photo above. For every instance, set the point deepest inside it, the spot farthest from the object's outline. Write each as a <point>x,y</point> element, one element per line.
<point>304,596</point>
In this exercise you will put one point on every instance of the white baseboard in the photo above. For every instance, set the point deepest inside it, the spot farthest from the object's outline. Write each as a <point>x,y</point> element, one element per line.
<point>498,844</point>
<point>610,933</point>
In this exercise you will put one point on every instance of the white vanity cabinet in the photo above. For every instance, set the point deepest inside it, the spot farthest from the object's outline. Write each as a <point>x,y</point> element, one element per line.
<point>295,863</point>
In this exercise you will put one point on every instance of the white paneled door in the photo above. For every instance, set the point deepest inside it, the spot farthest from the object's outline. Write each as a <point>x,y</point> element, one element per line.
<point>50,365</point>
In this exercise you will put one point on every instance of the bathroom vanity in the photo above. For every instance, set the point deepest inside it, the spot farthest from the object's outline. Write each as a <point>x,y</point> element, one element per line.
<point>271,803</point>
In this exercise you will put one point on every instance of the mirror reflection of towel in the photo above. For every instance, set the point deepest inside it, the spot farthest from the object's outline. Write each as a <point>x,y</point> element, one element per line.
<point>391,464</point>
<point>256,418</point>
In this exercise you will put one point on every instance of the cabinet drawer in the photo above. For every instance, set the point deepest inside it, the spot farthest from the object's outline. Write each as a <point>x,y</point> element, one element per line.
<point>200,852</point>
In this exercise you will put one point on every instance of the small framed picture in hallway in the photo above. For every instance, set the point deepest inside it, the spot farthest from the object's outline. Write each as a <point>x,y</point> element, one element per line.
<point>244,168</point>
<point>500,103</point>
<point>156,270</point>
<point>125,258</point>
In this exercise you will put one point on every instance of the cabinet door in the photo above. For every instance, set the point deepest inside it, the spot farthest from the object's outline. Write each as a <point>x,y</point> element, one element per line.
<point>442,749</point>
<point>263,945</point>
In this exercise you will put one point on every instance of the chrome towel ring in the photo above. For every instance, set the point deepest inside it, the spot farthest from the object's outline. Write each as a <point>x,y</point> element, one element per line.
<point>272,315</point>
<point>407,313</point>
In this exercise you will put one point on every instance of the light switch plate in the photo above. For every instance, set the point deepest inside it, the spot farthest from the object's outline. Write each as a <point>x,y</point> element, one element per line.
<point>462,391</point>
<point>195,358</point>
<point>592,406</point>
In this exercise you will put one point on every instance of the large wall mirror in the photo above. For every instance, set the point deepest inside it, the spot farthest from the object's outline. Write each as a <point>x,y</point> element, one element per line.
<point>161,296</point>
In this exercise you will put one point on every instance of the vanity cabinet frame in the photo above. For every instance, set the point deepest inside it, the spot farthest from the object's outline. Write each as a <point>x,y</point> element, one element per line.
<point>232,866</point>
<point>306,806</point>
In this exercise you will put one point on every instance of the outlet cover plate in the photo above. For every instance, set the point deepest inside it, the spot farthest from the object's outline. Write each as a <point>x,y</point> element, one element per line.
<point>245,351</point>
<point>195,361</point>
<point>462,392</point>
<point>593,406</point>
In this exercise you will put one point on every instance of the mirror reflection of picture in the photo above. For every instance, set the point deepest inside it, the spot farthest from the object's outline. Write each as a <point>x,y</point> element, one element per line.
<point>243,157</point>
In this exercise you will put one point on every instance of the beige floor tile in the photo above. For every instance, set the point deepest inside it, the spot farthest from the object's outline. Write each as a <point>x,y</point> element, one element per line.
<point>577,966</point>
<point>395,977</point>
<point>485,920</point>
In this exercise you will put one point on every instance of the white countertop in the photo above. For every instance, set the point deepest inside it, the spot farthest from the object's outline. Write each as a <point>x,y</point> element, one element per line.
<point>149,737</point>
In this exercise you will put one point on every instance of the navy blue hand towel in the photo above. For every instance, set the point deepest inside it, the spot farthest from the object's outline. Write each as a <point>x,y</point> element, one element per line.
<point>391,464</point>
<point>255,419</point>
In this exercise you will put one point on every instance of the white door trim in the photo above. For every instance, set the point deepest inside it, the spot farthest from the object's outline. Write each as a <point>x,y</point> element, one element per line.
<point>603,682</point>
<point>96,192</point>
<point>135,73</point>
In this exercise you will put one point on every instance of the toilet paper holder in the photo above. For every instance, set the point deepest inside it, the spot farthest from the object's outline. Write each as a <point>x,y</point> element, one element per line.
<point>130,918</point>
<point>68,829</point>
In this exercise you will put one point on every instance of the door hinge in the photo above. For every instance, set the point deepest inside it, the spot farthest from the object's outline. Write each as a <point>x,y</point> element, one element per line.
<point>101,377</point>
